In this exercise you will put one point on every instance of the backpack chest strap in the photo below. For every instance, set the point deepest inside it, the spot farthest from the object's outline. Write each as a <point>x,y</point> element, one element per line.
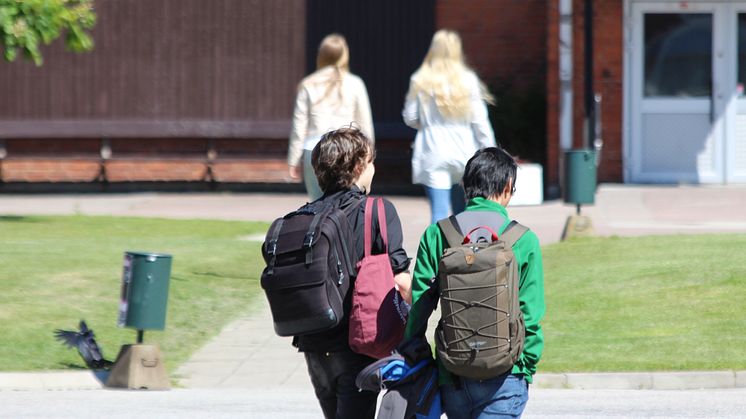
<point>450,228</point>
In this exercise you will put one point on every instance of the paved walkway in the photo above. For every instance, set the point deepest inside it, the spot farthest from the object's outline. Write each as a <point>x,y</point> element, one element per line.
<point>247,353</point>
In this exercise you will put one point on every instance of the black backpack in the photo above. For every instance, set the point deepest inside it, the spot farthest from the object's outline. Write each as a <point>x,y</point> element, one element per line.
<point>310,264</point>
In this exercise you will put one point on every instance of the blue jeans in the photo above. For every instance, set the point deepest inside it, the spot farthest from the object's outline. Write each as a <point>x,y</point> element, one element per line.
<point>442,201</point>
<point>501,397</point>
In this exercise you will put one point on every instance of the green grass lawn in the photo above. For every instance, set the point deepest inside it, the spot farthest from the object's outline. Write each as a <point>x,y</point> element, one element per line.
<point>613,304</point>
<point>55,271</point>
<point>646,304</point>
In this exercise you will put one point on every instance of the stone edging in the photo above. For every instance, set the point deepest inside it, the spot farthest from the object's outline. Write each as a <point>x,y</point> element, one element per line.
<point>686,380</point>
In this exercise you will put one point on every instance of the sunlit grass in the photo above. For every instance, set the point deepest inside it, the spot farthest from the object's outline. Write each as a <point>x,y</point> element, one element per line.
<point>55,271</point>
<point>646,303</point>
<point>613,304</point>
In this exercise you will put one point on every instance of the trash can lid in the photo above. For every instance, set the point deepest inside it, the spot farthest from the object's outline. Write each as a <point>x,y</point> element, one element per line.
<point>580,151</point>
<point>148,254</point>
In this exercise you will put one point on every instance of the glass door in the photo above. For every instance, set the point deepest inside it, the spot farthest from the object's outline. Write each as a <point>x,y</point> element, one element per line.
<point>678,103</point>
<point>735,149</point>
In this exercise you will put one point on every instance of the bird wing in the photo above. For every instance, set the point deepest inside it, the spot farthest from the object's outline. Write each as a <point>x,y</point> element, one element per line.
<point>93,349</point>
<point>67,337</point>
<point>85,352</point>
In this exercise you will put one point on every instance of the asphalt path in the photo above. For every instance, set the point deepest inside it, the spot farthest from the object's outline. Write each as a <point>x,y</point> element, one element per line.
<point>299,403</point>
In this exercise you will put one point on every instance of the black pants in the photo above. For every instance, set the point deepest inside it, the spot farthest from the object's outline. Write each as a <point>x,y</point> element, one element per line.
<point>333,377</point>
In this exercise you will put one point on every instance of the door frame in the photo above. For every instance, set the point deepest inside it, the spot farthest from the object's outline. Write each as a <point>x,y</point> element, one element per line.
<point>736,105</point>
<point>633,79</point>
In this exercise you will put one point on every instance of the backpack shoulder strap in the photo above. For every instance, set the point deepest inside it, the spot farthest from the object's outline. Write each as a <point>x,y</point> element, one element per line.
<point>310,238</point>
<point>271,248</point>
<point>367,227</point>
<point>449,227</point>
<point>513,232</point>
<point>351,202</point>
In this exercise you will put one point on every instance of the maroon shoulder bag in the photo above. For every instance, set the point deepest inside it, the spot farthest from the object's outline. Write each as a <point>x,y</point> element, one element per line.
<point>377,320</point>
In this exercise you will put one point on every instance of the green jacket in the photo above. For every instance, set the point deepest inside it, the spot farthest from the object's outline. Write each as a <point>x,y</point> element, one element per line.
<point>531,286</point>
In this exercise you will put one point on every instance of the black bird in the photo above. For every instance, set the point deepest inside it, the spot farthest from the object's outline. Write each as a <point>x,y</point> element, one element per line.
<point>85,342</point>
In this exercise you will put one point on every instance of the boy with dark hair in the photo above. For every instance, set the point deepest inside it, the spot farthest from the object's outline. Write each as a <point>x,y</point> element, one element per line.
<point>343,162</point>
<point>489,184</point>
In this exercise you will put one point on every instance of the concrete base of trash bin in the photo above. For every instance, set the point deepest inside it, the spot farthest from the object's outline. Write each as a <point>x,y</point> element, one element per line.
<point>578,226</point>
<point>139,367</point>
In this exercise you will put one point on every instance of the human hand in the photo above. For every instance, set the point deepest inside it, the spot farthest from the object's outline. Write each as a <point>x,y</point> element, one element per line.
<point>294,172</point>
<point>403,282</point>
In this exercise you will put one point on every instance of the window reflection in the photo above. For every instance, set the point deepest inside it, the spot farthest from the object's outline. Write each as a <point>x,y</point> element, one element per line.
<point>741,53</point>
<point>678,54</point>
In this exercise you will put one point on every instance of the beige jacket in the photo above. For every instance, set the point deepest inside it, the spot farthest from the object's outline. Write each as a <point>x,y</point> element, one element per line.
<point>313,116</point>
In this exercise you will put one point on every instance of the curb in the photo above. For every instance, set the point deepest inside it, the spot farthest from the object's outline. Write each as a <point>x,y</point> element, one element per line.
<point>51,380</point>
<point>688,380</point>
<point>694,380</point>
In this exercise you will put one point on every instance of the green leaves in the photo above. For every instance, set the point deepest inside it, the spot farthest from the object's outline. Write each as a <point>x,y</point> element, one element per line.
<point>26,24</point>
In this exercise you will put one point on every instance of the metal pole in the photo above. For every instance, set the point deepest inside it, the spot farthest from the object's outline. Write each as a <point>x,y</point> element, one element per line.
<point>590,120</point>
<point>565,74</point>
<point>140,334</point>
<point>598,141</point>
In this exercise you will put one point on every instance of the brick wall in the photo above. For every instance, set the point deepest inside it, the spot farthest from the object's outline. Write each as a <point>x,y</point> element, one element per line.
<point>503,39</point>
<point>505,42</point>
<point>552,168</point>
<point>608,77</point>
<point>144,160</point>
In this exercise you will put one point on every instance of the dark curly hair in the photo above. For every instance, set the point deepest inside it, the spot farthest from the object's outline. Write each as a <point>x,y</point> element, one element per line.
<point>339,158</point>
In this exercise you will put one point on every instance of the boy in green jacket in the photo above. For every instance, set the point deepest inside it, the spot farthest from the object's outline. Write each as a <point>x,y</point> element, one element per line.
<point>489,179</point>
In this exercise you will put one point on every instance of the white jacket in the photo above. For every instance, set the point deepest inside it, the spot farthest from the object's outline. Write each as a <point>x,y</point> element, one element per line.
<point>312,117</point>
<point>442,147</point>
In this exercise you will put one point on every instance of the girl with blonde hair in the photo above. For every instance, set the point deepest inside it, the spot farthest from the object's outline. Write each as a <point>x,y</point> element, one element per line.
<point>446,103</point>
<point>328,99</point>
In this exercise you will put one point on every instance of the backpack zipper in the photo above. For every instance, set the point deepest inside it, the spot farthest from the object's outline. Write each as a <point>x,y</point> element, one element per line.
<point>340,274</point>
<point>344,246</point>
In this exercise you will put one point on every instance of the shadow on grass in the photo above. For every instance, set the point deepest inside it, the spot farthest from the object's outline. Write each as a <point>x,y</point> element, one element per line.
<point>72,366</point>
<point>16,219</point>
<point>212,274</point>
<point>223,276</point>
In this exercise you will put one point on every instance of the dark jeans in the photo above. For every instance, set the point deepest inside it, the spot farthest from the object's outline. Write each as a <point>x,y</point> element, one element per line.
<point>333,377</point>
<point>500,397</point>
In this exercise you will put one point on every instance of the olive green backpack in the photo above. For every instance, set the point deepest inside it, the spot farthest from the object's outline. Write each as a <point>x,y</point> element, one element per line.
<point>481,331</point>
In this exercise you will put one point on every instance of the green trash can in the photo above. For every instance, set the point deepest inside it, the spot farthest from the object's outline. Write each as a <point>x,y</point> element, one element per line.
<point>580,176</point>
<point>144,290</point>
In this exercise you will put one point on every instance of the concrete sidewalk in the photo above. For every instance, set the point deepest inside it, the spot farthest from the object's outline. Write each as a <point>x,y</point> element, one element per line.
<point>247,353</point>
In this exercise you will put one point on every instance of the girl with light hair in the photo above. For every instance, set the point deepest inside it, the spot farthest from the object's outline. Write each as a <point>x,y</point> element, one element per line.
<point>446,103</point>
<point>328,99</point>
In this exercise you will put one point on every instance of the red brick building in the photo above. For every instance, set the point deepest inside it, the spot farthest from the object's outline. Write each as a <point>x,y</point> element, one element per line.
<point>177,91</point>
<point>671,75</point>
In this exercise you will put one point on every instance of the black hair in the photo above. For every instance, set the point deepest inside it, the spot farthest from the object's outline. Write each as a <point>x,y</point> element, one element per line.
<point>488,172</point>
